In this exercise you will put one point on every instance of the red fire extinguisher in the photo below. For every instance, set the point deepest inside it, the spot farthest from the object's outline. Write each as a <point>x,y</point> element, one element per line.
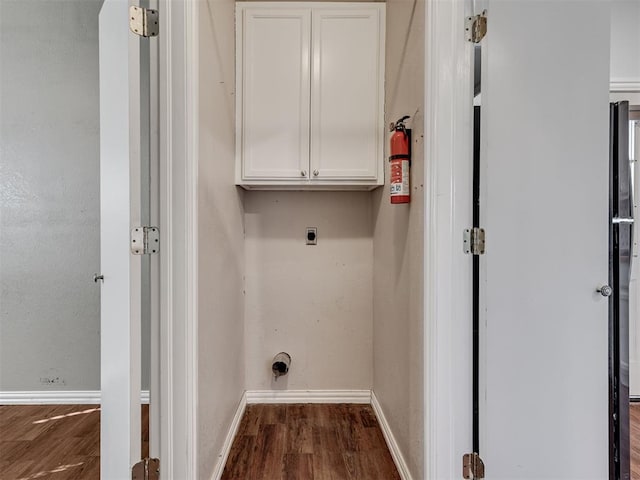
<point>400,160</point>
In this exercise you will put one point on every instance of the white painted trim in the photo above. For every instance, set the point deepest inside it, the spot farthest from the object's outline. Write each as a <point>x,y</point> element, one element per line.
<point>154,260</point>
<point>178,45</point>
<point>58,397</point>
<point>308,396</point>
<point>231,435</point>
<point>624,85</point>
<point>394,448</point>
<point>448,210</point>
<point>192,107</point>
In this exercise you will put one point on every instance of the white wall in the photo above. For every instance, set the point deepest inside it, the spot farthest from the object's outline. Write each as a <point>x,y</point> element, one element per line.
<point>398,246</point>
<point>220,237</point>
<point>625,41</point>
<point>314,302</point>
<point>632,97</point>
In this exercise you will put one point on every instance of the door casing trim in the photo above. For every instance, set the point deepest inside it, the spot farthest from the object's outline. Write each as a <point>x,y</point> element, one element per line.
<point>178,50</point>
<point>448,210</point>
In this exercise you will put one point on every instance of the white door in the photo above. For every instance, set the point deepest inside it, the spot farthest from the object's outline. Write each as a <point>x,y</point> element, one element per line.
<point>123,143</point>
<point>544,205</point>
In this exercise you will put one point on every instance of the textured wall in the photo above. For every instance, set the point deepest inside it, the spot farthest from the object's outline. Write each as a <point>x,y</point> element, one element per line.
<point>49,195</point>
<point>311,301</point>
<point>220,237</point>
<point>398,234</point>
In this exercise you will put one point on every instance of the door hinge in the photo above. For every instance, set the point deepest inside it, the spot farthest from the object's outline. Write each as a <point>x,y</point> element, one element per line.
<point>146,469</point>
<point>472,466</point>
<point>145,240</point>
<point>476,27</point>
<point>144,21</point>
<point>473,241</point>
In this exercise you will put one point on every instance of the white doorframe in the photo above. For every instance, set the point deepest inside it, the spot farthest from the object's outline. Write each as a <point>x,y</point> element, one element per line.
<point>448,174</point>
<point>448,210</point>
<point>178,230</point>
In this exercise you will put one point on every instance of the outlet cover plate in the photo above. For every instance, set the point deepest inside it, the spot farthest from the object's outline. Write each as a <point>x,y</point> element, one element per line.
<point>312,236</point>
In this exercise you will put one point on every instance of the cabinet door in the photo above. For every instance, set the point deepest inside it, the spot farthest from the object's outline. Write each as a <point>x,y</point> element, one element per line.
<point>274,83</point>
<point>347,122</point>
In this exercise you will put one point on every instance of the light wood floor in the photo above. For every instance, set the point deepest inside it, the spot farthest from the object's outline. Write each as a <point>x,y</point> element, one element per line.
<point>634,414</point>
<point>57,442</point>
<point>309,442</point>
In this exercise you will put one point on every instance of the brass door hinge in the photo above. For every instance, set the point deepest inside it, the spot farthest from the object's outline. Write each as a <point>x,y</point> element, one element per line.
<point>146,469</point>
<point>472,466</point>
<point>476,27</point>
<point>144,21</point>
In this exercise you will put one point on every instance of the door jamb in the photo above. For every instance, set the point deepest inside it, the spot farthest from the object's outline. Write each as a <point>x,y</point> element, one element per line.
<point>178,51</point>
<point>448,210</point>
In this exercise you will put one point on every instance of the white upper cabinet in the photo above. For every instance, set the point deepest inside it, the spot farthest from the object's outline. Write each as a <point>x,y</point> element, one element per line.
<point>273,92</point>
<point>310,95</point>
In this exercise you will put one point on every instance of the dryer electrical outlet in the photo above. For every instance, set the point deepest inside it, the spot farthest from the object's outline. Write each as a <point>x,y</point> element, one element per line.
<point>312,236</point>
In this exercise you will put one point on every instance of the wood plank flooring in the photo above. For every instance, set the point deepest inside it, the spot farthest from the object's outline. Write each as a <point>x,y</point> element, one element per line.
<point>57,442</point>
<point>309,442</point>
<point>634,416</point>
<point>301,442</point>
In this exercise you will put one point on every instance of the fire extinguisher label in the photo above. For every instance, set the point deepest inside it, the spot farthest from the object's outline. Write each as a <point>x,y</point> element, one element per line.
<point>400,178</point>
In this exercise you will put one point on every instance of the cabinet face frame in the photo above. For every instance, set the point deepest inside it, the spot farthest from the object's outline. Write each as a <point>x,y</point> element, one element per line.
<point>366,178</point>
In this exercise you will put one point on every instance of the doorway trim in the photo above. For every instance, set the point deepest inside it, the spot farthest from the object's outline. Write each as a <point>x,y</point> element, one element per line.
<point>178,50</point>
<point>448,210</point>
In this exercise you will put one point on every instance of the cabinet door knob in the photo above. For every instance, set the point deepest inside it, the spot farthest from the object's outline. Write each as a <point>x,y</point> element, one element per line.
<point>303,173</point>
<point>316,173</point>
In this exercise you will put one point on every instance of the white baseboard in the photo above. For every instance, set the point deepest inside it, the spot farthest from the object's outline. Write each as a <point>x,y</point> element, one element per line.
<point>228,442</point>
<point>58,397</point>
<point>398,459</point>
<point>312,396</point>
<point>624,85</point>
<point>308,396</point>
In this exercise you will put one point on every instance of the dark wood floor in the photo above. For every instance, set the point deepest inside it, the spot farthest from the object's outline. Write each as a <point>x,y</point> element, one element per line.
<point>309,442</point>
<point>301,442</point>
<point>57,442</point>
